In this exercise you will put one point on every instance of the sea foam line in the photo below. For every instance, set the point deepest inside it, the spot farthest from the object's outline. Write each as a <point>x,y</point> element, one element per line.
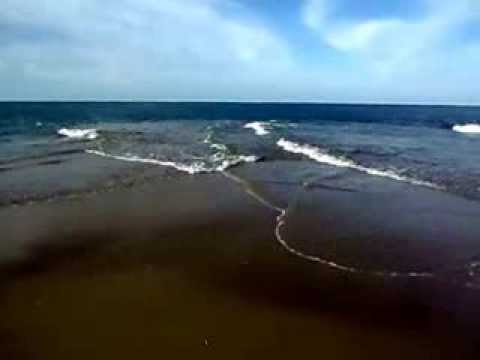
<point>281,222</point>
<point>317,155</point>
<point>194,168</point>
<point>467,128</point>
<point>221,156</point>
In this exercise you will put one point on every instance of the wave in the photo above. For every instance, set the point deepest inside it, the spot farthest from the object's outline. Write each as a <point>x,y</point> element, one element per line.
<point>193,168</point>
<point>79,134</point>
<point>467,128</point>
<point>261,128</point>
<point>213,145</point>
<point>317,155</point>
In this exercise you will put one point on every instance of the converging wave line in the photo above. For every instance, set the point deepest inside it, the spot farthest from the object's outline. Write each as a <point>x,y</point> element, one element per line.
<point>280,223</point>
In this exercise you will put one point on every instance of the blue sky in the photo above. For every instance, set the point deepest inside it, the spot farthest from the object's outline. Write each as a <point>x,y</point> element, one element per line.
<point>396,51</point>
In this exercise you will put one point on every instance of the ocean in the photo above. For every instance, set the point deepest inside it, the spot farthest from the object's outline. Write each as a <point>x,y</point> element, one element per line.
<point>246,230</point>
<point>432,146</point>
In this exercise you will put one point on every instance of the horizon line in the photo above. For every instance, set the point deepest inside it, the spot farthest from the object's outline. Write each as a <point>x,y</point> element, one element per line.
<point>286,102</point>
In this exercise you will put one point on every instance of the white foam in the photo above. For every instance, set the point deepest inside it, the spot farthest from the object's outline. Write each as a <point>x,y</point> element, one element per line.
<point>235,160</point>
<point>316,154</point>
<point>259,127</point>
<point>88,134</point>
<point>467,128</point>
<point>213,145</point>
<point>313,153</point>
<point>222,155</point>
<point>193,168</point>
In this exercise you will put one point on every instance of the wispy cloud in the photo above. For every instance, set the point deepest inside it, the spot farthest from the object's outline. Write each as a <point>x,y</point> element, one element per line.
<point>409,57</point>
<point>390,41</point>
<point>141,48</point>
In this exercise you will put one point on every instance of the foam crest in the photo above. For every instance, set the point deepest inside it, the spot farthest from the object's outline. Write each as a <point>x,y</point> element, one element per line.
<point>467,128</point>
<point>317,155</point>
<point>260,128</point>
<point>88,134</point>
<point>313,153</point>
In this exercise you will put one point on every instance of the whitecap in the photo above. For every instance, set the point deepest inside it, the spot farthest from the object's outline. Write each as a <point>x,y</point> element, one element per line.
<point>467,128</point>
<point>88,134</point>
<point>317,155</point>
<point>259,127</point>
<point>313,153</point>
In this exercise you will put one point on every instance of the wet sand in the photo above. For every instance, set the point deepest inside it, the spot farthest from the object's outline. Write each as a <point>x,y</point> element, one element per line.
<point>190,267</point>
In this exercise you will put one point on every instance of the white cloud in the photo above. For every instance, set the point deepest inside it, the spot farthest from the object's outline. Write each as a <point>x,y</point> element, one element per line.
<point>360,36</point>
<point>134,48</point>
<point>385,44</point>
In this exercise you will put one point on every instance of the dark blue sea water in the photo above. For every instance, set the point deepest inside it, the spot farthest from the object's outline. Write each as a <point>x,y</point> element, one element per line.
<point>424,145</point>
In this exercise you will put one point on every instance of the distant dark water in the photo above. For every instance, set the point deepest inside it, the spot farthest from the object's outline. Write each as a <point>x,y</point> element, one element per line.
<point>403,143</point>
<point>18,117</point>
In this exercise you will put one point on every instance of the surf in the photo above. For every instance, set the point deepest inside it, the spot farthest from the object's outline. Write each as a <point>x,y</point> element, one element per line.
<point>467,128</point>
<point>316,154</point>
<point>79,134</point>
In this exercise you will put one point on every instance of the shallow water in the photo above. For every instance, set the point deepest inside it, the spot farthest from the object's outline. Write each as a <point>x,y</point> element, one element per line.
<point>238,230</point>
<point>192,268</point>
<point>406,143</point>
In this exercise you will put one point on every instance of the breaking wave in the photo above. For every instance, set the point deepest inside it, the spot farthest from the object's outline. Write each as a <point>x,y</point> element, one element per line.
<point>79,134</point>
<point>467,128</point>
<point>219,161</point>
<point>319,156</point>
<point>261,128</point>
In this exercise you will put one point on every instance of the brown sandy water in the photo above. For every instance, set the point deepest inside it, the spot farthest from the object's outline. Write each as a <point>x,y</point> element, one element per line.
<point>191,267</point>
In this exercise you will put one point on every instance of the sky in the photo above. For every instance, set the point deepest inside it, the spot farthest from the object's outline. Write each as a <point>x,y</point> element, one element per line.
<point>375,51</point>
